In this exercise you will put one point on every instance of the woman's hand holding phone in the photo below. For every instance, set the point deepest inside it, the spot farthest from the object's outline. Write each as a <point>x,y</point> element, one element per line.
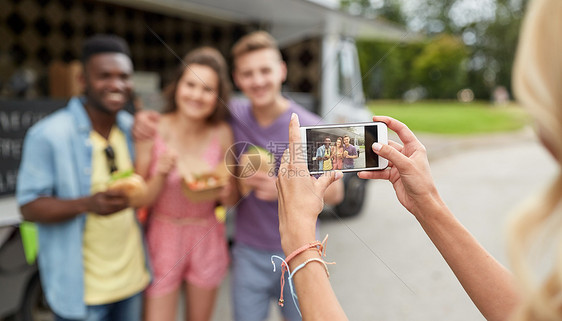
<point>301,196</point>
<point>487,282</point>
<point>408,170</point>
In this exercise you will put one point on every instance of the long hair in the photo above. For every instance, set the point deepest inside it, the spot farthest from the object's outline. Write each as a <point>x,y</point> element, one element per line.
<point>341,141</point>
<point>212,58</point>
<point>535,233</point>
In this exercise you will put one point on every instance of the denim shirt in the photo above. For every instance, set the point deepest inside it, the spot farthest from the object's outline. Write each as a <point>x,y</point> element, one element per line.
<point>56,162</point>
<point>320,154</point>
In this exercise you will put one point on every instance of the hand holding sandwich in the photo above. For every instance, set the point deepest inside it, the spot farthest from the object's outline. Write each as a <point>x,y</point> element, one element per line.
<point>129,185</point>
<point>108,202</point>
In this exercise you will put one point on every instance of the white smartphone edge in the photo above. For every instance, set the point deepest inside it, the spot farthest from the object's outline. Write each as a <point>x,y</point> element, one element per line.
<point>382,135</point>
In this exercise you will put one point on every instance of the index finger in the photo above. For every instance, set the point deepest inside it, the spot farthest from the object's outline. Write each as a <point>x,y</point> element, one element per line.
<point>405,134</point>
<point>294,137</point>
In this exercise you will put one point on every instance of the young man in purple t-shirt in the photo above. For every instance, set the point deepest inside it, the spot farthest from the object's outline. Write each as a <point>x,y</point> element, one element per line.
<point>259,72</point>
<point>349,154</point>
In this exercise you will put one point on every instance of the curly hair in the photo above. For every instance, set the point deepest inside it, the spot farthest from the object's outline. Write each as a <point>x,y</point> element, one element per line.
<point>102,43</point>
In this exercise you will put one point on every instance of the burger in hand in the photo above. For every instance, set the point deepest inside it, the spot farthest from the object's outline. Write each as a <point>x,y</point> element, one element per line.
<point>133,185</point>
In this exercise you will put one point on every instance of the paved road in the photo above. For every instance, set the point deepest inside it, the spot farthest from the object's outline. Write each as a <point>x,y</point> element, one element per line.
<point>387,269</point>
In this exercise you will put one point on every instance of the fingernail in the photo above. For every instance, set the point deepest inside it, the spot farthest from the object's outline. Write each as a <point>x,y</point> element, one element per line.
<point>338,174</point>
<point>295,117</point>
<point>377,146</point>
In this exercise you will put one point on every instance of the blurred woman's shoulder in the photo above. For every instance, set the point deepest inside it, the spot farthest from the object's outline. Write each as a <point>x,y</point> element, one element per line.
<point>223,130</point>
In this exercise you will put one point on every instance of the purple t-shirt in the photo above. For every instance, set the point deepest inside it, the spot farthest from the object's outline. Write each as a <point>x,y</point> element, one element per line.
<point>351,151</point>
<point>257,222</point>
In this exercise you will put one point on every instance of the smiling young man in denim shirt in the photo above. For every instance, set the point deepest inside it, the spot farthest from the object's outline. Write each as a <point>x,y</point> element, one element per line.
<point>91,258</point>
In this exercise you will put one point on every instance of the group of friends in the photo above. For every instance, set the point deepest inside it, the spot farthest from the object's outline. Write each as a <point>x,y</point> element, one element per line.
<point>340,156</point>
<point>96,261</point>
<point>92,260</point>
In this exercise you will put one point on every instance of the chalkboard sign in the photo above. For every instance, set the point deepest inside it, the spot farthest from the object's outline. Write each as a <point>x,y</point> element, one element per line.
<point>16,116</point>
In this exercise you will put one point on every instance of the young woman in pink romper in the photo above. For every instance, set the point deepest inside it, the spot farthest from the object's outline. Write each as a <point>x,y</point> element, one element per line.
<point>186,242</point>
<point>338,154</point>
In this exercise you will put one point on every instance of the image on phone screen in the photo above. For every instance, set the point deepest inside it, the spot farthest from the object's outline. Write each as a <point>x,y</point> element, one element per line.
<point>341,148</point>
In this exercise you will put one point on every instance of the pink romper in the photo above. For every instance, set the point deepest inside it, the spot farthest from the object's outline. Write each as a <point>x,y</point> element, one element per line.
<point>185,240</point>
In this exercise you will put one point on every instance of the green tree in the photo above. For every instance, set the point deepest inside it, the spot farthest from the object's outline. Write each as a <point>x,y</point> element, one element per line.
<point>489,34</point>
<point>387,68</point>
<point>441,67</point>
<point>493,52</point>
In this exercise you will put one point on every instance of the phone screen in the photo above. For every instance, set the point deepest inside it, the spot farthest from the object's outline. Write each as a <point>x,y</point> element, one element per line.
<point>341,148</point>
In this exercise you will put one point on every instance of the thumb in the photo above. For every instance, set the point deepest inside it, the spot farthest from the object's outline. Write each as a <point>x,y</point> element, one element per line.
<point>390,153</point>
<point>327,179</point>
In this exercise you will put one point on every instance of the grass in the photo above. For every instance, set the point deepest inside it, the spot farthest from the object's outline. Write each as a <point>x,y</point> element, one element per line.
<point>444,117</point>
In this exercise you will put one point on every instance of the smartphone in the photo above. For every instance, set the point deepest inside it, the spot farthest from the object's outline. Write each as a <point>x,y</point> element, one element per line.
<point>345,147</point>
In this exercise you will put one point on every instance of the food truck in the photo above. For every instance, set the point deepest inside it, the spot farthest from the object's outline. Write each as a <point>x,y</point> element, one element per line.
<point>42,39</point>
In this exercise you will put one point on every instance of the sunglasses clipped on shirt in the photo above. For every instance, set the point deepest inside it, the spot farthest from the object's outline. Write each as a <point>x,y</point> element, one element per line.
<point>110,154</point>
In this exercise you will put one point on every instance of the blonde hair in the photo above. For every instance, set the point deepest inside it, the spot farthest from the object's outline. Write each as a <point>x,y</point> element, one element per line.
<point>537,83</point>
<point>254,41</point>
